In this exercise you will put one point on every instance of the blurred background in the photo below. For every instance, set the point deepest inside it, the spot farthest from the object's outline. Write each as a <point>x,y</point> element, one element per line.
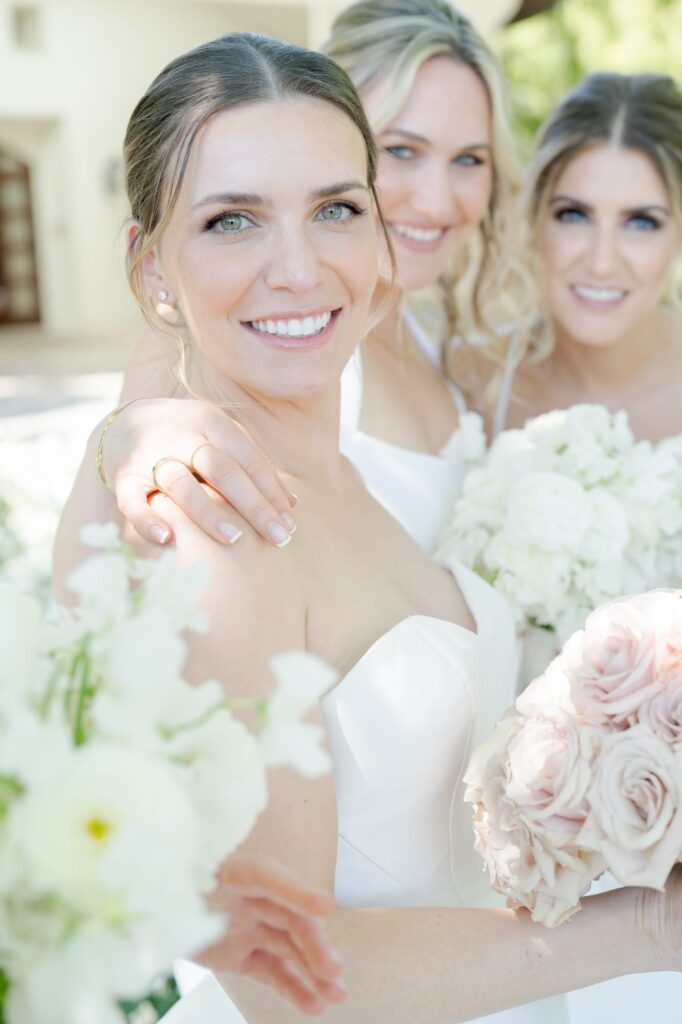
<point>70,74</point>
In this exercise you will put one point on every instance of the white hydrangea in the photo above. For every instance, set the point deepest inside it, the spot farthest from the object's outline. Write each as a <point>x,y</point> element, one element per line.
<point>570,512</point>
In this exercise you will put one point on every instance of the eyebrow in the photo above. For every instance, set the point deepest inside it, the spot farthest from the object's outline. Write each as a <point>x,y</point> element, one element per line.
<point>421,138</point>
<point>643,208</point>
<point>255,199</point>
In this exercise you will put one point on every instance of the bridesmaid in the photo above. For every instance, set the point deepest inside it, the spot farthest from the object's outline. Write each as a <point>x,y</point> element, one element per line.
<point>447,179</point>
<point>604,194</point>
<point>250,174</point>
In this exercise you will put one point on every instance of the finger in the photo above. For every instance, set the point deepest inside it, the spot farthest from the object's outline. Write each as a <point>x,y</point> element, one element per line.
<point>259,468</point>
<point>132,493</point>
<point>275,974</point>
<point>207,511</point>
<point>265,879</point>
<point>230,479</point>
<point>323,960</point>
<point>319,955</point>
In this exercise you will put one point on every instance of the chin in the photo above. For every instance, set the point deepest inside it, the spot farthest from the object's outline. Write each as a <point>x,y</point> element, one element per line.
<point>599,335</point>
<point>414,278</point>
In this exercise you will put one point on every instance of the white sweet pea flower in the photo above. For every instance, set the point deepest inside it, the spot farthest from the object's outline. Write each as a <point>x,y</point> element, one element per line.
<point>177,591</point>
<point>302,679</point>
<point>101,535</point>
<point>224,775</point>
<point>20,628</point>
<point>32,749</point>
<point>102,585</point>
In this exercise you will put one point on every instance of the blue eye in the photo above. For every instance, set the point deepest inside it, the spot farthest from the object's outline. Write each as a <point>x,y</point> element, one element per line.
<point>400,152</point>
<point>643,222</point>
<point>228,223</point>
<point>339,213</point>
<point>571,215</point>
<point>468,160</point>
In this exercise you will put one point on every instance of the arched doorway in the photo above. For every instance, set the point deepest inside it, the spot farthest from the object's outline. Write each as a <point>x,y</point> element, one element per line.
<point>19,297</point>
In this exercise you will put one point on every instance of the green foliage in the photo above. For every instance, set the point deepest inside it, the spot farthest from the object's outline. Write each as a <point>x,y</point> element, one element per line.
<point>154,1006</point>
<point>547,55</point>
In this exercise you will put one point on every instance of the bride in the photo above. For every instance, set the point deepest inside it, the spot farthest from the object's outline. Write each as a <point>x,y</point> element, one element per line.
<point>250,171</point>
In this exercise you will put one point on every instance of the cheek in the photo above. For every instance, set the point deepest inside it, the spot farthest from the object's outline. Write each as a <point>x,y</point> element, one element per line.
<point>473,195</point>
<point>652,263</point>
<point>557,251</point>
<point>392,185</point>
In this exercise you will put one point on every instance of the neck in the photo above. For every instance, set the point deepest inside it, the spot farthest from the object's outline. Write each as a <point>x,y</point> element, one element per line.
<point>607,370</point>
<point>387,332</point>
<point>301,436</point>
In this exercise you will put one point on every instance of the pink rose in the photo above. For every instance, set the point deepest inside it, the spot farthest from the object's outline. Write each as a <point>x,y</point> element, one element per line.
<point>521,859</point>
<point>549,774</point>
<point>551,689</point>
<point>663,714</point>
<point>635,820</point>
<point>612,664</point>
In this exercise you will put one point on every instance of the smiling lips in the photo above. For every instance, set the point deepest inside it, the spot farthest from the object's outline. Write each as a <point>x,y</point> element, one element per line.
<point>599,298</point>
<point>288,331</point>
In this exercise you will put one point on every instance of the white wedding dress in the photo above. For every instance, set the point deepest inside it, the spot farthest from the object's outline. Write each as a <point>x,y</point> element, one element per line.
<point>403,723</point>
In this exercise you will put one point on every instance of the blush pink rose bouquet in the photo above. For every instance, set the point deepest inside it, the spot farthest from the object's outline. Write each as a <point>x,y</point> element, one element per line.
<point>584,773</point>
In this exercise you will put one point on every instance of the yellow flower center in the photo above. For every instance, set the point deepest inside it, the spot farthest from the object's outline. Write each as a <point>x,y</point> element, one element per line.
<point>98,829</point>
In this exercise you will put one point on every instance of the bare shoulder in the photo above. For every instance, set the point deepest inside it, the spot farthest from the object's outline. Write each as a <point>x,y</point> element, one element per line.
<point>254,601</point>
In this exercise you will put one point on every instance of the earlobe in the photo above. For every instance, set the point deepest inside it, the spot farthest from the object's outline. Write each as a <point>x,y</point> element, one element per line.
<point>155,283</point>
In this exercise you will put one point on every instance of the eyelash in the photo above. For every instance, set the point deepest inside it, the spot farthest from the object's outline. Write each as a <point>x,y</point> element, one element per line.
<point>213,222</point>
<point>652,223</point>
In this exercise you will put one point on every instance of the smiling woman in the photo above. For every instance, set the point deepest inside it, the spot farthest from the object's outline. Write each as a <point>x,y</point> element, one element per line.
<point>605,206</point>
<point>423,653</point>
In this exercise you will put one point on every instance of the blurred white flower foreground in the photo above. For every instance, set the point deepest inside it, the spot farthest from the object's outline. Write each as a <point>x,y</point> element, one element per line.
<point>122,787</point>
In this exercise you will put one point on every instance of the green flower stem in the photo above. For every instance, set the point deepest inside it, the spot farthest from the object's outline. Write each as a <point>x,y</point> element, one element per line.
<point>229,703</point>
<point>4,988</point>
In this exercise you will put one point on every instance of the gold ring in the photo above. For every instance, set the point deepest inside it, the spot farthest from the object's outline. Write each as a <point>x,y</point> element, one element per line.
<point>160,462</point>
<point>204,444</point>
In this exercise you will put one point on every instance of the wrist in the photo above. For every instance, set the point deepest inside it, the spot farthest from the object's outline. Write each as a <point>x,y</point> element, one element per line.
<point>97,439</point>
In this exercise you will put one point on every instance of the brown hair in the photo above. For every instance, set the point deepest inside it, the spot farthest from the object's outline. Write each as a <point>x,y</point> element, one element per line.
<point>641,112</point>
<point>236,69</point>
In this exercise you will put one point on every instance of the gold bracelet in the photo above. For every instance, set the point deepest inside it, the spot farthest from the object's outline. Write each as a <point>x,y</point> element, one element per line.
<point>99,454</point>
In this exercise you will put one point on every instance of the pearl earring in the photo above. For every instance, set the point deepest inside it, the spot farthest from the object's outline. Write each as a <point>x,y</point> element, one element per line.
<point>163,296</point>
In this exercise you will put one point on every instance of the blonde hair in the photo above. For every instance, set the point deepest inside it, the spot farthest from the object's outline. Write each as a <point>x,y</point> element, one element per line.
<point>378,39</point>
<point>641,112</point>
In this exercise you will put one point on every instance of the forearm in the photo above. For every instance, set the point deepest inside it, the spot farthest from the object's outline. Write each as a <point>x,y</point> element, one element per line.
<point>441,966</point>
<point>89,502</point>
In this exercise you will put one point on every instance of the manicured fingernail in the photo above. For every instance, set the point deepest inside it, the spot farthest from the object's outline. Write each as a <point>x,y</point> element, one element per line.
<point>160,534</point>
<point>339,987</point>
<point>278,535</point>
<point>293,499</point>
<point>288,522</point>
<point>334,956</point>
<point>229,532</point>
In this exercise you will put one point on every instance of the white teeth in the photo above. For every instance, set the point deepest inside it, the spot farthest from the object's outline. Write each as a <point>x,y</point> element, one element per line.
<point>598,294</point>
<point>294,328</point>
<point>418,234</point>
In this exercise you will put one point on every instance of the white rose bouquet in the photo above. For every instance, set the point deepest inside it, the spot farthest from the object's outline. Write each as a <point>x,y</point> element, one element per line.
<point>584,774</point>
<point>122,787</point>
<point>565,514</point>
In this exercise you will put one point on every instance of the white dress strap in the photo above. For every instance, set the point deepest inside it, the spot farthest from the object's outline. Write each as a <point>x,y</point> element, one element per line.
<point>428,347</point>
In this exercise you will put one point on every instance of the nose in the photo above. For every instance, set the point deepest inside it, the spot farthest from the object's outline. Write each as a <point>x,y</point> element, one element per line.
<point>603,252</point>
<point>433,196</point>
<point>294,264</point>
